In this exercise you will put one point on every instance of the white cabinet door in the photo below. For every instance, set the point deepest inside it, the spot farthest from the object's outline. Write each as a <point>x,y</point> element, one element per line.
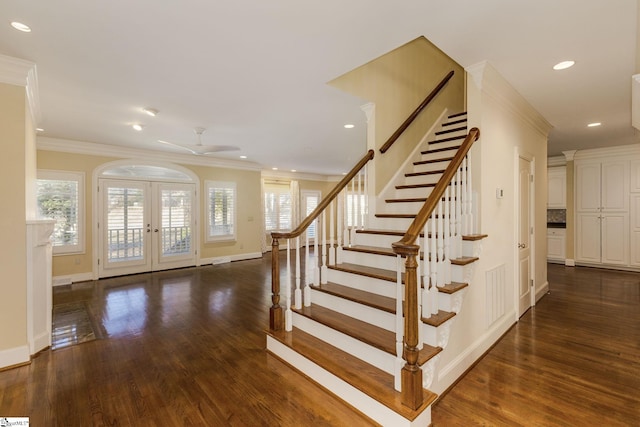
<point>614,186</point>
<point>588,187</point>
<point>588,237</point>
<point>557,188</point>
<point>614,238</point>
<point>556,244</point>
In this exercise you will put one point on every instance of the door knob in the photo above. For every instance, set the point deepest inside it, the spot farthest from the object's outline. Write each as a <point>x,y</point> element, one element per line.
<point>155,230</point>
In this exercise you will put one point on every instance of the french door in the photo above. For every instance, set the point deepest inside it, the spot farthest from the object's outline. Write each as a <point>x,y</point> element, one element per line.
<point>145,226</point>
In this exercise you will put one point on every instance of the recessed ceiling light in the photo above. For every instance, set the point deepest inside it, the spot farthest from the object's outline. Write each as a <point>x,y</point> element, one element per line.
<point>595,124</point>
<point>274,169</point>
<point>137,127</point>
<point>344,173</point>
<point>243,157</point>
<point>21,27</point>
<point>293,170</point>
<point>150,111</point>
<point>563,65</point>
<point>349,126</point>
<point>39,130</point>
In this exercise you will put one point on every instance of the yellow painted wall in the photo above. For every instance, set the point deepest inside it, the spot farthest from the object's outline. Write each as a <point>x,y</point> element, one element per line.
<point>13,289</point>
<point>249,213</point>
<point>249,210</point>
<point>397,83</point>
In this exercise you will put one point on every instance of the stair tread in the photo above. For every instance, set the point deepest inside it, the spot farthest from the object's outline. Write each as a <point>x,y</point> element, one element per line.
<point>436,172</point>
<point>362,297</point>
<point>376,273</point>
<point>426,162</point>
<point>406,186</point>
<point>375,336</point>
<point>447,139</point>
<point>439,318</point>
<point>462,113</point>
<point>370,380</point>
<point>458,129</point>
<point>392,215</point>
<point>455,122</point>
<point>399,233</point>
<point>439,150</point>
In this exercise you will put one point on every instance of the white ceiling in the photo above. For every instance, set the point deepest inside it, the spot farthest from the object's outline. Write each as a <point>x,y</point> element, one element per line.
<point>254,72</point>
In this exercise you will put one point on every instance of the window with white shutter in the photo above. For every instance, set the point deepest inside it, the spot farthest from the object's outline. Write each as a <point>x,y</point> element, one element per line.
<point>277,207</point>
<point>221,210</point>
<point>60,196</point>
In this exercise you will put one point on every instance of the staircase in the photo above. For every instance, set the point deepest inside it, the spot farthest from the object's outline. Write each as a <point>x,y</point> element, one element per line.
<point>346,335</point>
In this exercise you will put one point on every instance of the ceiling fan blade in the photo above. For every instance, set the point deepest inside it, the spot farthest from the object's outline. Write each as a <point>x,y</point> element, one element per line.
<point>179,146</point>
<point>208,149</point>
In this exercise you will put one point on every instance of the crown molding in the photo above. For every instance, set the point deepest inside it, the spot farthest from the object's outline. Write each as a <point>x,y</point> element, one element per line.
<point>556,161</point>
<point>19,72</point>
<point>632,150</point>
<point>291,176</point>
<point>94,149</point>
<point>491,83</point>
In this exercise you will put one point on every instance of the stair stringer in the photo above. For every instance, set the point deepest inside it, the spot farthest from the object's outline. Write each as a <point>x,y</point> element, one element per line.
<point>407,166</point>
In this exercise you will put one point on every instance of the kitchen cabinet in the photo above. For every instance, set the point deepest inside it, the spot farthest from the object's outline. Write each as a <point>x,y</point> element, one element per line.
<point>556,244</point>
<point>557,187</point>
<point>602,212</point>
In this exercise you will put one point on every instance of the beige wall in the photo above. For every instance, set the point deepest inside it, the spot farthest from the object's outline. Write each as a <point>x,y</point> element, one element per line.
<point>13,290</point>
<point>397,83</point>
<point>249,209</point>
<point>249,214</point>
<point>509,127</point>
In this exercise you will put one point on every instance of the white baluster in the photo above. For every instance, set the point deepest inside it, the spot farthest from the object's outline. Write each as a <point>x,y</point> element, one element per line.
<point>365,223</point>
<point>426,297</point>
<point>470,227</point>
<point>340,226</point>
<point>433,253</point>
<point>458,217</point>
<point>465,215</point>
<point>441,277</point>
<point>298,292</point>
<point>288,316</point>
<point>447,236</point>
<point>309,271</point>
<point>347,217</point>
<point>332,248</point>
<point>399,325</point>
<point>354,215</point>
<point>323,270</point>
<point>316,255</point>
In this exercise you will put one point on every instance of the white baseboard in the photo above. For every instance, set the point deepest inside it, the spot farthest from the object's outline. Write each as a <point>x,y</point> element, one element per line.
<point>72,278</point>
<point>542,291</point>
<point>450,373</point>
<point>14,356</point>
<point>40,342</point>
<point>570,262</point>
<point>230,258</point>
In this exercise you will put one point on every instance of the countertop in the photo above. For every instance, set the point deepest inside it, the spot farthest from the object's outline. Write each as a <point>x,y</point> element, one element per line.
<point>556,225</point>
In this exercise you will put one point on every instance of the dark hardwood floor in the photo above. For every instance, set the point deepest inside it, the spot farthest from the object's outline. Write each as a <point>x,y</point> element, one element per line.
<point>573,360</point>
<point>186,347</point>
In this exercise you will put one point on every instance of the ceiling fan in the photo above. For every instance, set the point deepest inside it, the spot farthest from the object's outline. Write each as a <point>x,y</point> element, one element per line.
<point>198,149</point>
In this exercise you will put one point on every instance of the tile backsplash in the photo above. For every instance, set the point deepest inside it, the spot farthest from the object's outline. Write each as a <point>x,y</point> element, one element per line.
<point>557,215</point>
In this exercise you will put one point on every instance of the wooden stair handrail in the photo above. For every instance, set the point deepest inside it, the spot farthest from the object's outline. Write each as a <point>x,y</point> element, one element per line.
<point>411,374</point>
<point>415,113</point>
<point>434,198</point>
<point>325,201</point>
<point>276,318</point>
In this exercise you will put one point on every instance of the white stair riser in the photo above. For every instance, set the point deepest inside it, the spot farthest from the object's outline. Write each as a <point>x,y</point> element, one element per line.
<point>363,283</point>
<point>370,260</point>
<point>430,167</point>
<point>446,144</point>
<point>439,154</point>
<point>451,302</point>
<point>373,356</point>
<point>422,179</point>
<point>400,208</point>
<point>409,193</point>
<point>437,336</point>
<point>359,400</point>
<point>379,318</point>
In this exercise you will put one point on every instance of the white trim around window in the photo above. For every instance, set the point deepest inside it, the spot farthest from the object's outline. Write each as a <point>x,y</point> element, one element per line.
<point>60,196</point>
<point>221,211</point>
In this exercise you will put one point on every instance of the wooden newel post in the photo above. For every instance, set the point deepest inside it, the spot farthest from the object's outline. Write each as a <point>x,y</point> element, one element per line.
<point>275,312</point>
<point>411,376</point>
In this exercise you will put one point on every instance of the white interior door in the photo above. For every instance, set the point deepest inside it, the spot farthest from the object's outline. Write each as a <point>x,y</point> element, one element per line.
<point>145,226</point>
<point>524,237</point>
